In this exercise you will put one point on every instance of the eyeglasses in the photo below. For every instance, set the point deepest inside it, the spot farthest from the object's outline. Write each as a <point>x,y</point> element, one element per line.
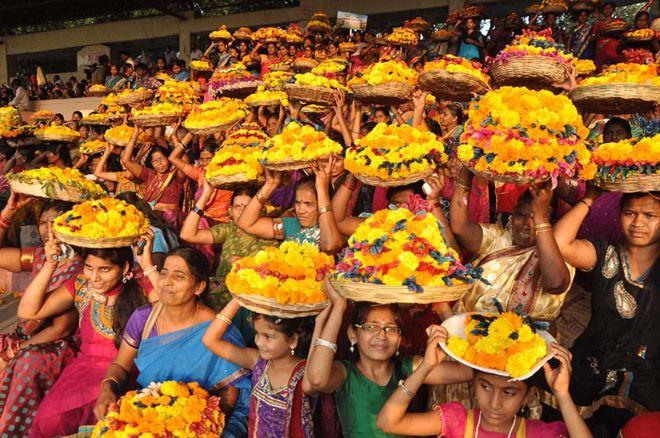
<point>375,329</point>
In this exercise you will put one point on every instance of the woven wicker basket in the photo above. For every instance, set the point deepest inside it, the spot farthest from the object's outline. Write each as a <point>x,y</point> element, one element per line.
<point>393,182</point>
<point>304,65</point>
<point>382,294</point>
<point>311,94</point>
<point>620,98</point>
<point>23,142</point>
<point>109,242</point>
<point>633,38</point>
<point>212,129</point>
<point>241,91</point>
<point>153,120</point>
<point>55,191</point>
<point>632,184</point>
<point>615,27</point>
<point>554,9</point>
<point>513,179</point>
<point>259,304</point>
<point>529,71</point>
<point>229,182</point>
<point>451,86</point>
<point>390,93</point>
<point>99,92</point>
<point>582,6</point>
<point>44,136</point>
<point>320,28</point>
<point>271,102</point>
<point>288,165</point>
<point>134,97</point>
<point>106,121</point>
<point>242,36</point>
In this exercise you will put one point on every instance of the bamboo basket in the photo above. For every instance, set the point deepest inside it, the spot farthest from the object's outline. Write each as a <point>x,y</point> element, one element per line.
<point>390,93</point>
<point>632,184</point>
<point>108,242</point>
<point>43,136</point>
<point>382,294</point>
<point>615,27</point>
<point>241,91</point>
<point>513,179</point>
<point>231,182</point>
<point>48,190</point>
<point>619,98</point>
<point>554,9</point>
<point>212,129</point>
<point>531,71</point>
<point>288,165</point>
<point>268,306</point>
<point>153,120</point>
<point>134,97</point>
<point>99,92</point>
<point>451,86</point>
<point>271,102</point>
<point>307,93</point>
<point>106,121</point>
<point>23,142</point>
<point>304,65</point>
<point>393,182</point>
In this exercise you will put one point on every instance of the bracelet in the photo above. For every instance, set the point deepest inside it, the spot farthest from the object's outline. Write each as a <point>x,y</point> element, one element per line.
<point>198,210</point>
<point>223,318</point>
<point>436,204</point>
<point>585,203</point>
<point>112,379</point>
<point>325,209</point>
<point>464,187</point>
<point>542,229</point>
<point>542,226</point>
<point>327,344</point>
<point>405,389</point>
<point>147,272</point>
<point>349,186</point>
<point>260,197</point>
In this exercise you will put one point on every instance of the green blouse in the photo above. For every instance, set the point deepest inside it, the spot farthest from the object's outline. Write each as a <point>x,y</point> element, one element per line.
<point>360,400</point>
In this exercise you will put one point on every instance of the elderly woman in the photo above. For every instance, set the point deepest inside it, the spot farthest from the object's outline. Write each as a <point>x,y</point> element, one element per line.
<point>163,342</point>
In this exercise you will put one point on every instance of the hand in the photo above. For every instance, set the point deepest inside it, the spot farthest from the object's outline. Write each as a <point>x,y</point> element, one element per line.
<point>419,98</point>
<point>273,179</point>
<point>103,402</point>
<point>16,202</point>
<point>437,183</point>
<point>593,192</point>
<point>541,198</point>
<point>434,354</point>
<point>569,79</point>
<point>335,299</point>
<point>108,149</point>
<point>207,194</point>
<point>144,258</point>
<point>294,109</point>
<point>52,249</point>
<point>559,378</point>
<point>323,172</point>
<point>340,100</point>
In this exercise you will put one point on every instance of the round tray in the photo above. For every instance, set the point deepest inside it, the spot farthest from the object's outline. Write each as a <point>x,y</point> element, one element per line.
<point>99,93</point>
<point>632,184</point>
<point>451,86</point>
<point>615,27</point>
<point>312,94</point>
<point>109,242</point>
<point>531,71</point>
<point>231,182</point>
<point>390,93</point>
<point>394,182</point>
<point>618,98</point>
<point>48,190</point>
<point>100,122</point>
<point>381,294</point>
<point>638,38</point>
<point>153,120</point>
<point>57,137</point>
<point>240,92</point>
<point>271,102</point>
<point>513,179</point>
<point>288,165</point>
<point>23,142</point>
<point>267,306</point>
<point>212,129</point>
<point>134,97</point>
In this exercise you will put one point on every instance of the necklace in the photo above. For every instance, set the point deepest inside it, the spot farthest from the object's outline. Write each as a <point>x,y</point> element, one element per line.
<point>641,278</point>
<point>159,322</point>
<point>508,435</point>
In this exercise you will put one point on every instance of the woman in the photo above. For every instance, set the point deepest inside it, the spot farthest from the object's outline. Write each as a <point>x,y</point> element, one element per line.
<point>606,44</point>
<point>163,184</point>
<point>312,222</point>
<point>499,400</point>
<point>34,355</point>
<point>265,60</point>
<point>115,81</point>
<point>362,386</point>
<point>616,359</point>
<point>125,181</point>
<point>580,41</point>
<point>163,342</point>
<point>472,41</point>
<point>105,296</point>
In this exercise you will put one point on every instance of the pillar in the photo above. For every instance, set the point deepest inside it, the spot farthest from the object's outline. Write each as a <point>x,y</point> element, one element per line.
<point>4,66</point>
<point>184,45</point>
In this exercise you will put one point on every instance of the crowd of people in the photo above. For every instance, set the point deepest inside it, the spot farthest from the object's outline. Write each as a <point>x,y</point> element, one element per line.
<point>98,322</point>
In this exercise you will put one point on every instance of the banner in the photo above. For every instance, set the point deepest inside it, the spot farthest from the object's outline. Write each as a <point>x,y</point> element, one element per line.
<point>349,20</point>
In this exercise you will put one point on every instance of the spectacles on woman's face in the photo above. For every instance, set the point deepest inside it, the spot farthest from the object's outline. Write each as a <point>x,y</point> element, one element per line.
<point>375,329</point>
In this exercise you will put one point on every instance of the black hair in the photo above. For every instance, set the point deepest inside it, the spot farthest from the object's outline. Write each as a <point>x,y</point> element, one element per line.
<point>57,205</point>
<point>243,191</point>
<point>132,295</point>
<point>416,188</point>
<point>303,327</point>
<point>383,110</point>
<point>197,264</point>
<point>307,182</point>
<point>77,112</point>
<point>141,66</point>
<point>621,122</point>
<point>456,110</point>
<point>608,4</point>
<point>641,13</point>
<point>103,59</point>
<point>526,198</point>
<point>16,83</point>
<point>627,197</point>
<point>359,312</point>
<point>153,150</point>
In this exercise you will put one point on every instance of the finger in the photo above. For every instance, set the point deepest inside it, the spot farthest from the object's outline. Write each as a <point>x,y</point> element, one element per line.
<point>51,234</point>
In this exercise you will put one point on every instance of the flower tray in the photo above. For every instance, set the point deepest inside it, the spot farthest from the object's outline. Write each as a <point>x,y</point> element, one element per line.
<point>268,306</point>
<point>451,86</point>
<point>617,98</point>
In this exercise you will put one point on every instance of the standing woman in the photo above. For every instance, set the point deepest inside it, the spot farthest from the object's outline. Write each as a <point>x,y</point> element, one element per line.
<point>606,43</point>
<point>579,42</point>
<point>115,81</point>
<point>105,296</point>
<point>163,184</point>
<point>265,60</point>
<point>472,41</point>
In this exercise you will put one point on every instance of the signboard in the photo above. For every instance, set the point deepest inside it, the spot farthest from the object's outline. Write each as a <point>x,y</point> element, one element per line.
<point>349,20</point>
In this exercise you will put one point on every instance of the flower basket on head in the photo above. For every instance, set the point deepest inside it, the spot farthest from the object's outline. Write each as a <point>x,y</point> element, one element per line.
<point>102,119</point>
<point>215,116</point>
<point>628,166</point>
<point>583,6</point>
<point>640,35</point>
<point>121,135</point>
<point>297,147</point>
<point>236,163</point>
<point>59,133</point>
<point>310,93</point>
<point>389,93</point>
<point>304,64</point>
<point>98,90</point>
<point>380,294</point>
<point>130,97</point>
<point>221,34</point>
<point>160,114</point>
<point>384,83</point>
<point>453,78</point>
<point>615,26</point>
<point>54,183</point>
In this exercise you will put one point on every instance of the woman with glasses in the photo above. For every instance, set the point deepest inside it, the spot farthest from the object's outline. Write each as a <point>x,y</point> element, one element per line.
<point>363,383</point>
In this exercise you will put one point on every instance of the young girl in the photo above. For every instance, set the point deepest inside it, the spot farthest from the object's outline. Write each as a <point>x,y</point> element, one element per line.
<point>498,398</point>
<point>361,387</point>
<point>281,403</point>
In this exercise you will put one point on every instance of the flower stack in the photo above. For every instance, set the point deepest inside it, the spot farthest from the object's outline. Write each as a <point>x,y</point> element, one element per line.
<point>402,36</point>
<point>267,35</point>
<point>514,134</point>
<point>320,22</point>
<point>386,82</point>
<point>200,65</point>
<point>284,282</point>
<point>235,81</point>
<point>296,147</point>
<point>314,88</point>
<point>454,78</point>
<point>183,93</point>
<point>221,34</point>
<point>58,133</point>
<point>122,134</point>
<point>157,114</point>
<point>629,165</point>
<point>91,147</point>
<point>66,184</point>
<point>215,116</point>
<point>394,155</point>
<point>167,409</point>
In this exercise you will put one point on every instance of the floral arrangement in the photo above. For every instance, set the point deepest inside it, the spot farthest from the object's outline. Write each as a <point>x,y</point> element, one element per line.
<point>641,34</point>
<point>248,135</point>
<point>521,132</point>
<point>393,152</point>
<point>403,247</point>
<point>313,80</point>
<point>162,76</point>
<point>232,78</point>
<point>101,219</point>
<point>220,34</point>
<point>638,56</point>
<point>9,117</point>
<point>216,112</point>
<point>42,116</point>
<point>290,274</point>
<point>417,23</point>
<point>554,6</point>
<point>464,13</point>
<point>585,67</point>
<point>200,65</point>
<point>626,72</point>
<point>167,409</point>
<point>256,99</point>
<point>507,342</point>
<point>320,22</point>
<point>129,92</point>
<point>92,147</point>
<point>620,160</point>
<point>16,132</point>
<point>110,99</point>
<point>242,33</point>
<point>51,177</point>
<point>57,130</point>
<point>330,67</point>
<point>120,135</point>
<point>101,118</point>
<point>164,108</point>
<point>535,44</point>
<point>299,143</point>
<point>98,89</point>
<point>456,64</point>
<point>268,34</point>
<point>181,93</point>
<point>235,159</point>
<point>275,80</point>
<point>384,72</point>
<point>402,36</point>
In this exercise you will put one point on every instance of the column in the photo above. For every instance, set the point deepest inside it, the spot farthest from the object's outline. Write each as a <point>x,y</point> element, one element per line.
<point>184,44</point>
<point>4,66</point>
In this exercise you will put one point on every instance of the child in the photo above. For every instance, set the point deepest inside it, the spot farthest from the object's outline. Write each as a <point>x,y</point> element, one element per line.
<point>499,400</point>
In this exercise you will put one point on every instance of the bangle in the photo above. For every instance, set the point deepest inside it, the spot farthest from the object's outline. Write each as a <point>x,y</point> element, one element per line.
<point>147,272</point>
<point>585,203</point>
<point>435,204</point>
<point>349,186</point>
<point>542,226</point>
<point>223,318</point>
<point>464,187</point>
<point>325,209</point>
<point>198,210</point>
<point>260,197</point>
<point>327,344</point>
<point>113,380</point>
<point>405,389</point>
<point>542,229</point>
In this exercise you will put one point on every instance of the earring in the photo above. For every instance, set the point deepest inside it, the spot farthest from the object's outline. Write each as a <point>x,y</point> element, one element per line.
<point>397,352</point>
<point>352,349</point>
<point>293,351</point>
<point>124,279</point>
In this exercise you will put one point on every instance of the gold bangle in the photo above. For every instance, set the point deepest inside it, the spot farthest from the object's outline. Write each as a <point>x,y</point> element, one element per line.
<point>112,379</point>
<point>223,318</point>
<point>464,187</point>
<point>544,225</point>
<point>260,198</point>
<point>540,230</point>
<point>325,209</point>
